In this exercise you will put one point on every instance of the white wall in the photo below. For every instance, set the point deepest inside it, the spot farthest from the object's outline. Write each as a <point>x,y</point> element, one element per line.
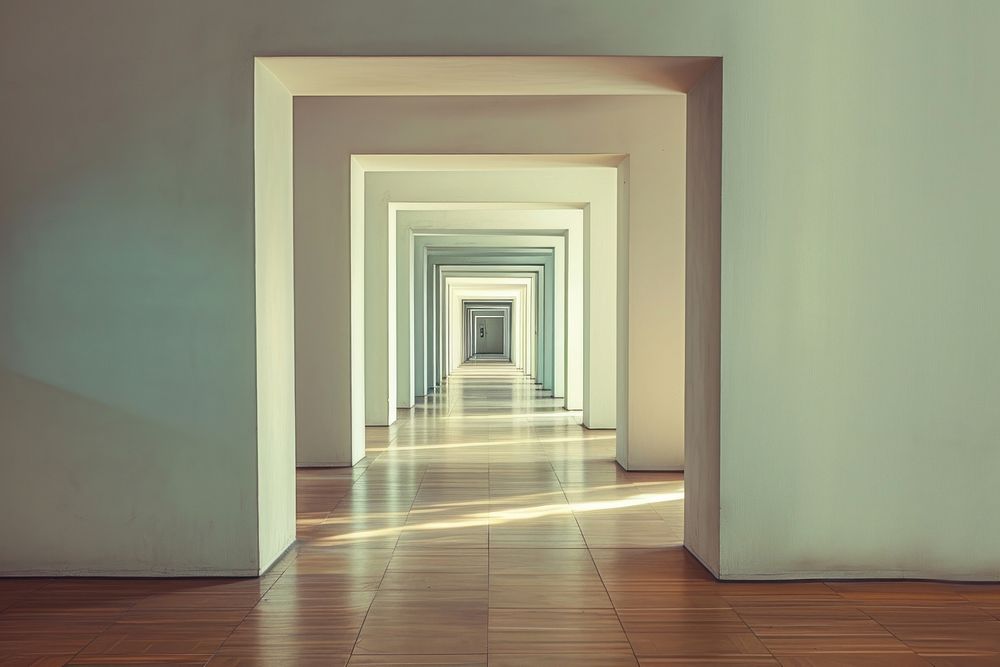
<point>702,306</point>
<point>275,296</point>
<point>859,380</point>
<point>520,292</point>
<point>500,273</point>
<point>525,292</point>
<point>389,265</point>
<point>567,301</point>
<point>380,307</point>
<point>596,185</point>
<point>480,252</point>
<point>481,217</point>
<point>651,131</point>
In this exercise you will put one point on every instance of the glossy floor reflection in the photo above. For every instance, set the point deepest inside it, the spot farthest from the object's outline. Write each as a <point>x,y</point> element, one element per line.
<point>488,527</point>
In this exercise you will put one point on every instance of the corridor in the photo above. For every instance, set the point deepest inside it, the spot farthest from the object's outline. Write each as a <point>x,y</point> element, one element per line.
<point>489,527</point>
<point>488,521</point>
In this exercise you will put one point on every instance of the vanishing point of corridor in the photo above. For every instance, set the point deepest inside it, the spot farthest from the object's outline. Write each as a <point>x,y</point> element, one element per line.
<point>489,527</point>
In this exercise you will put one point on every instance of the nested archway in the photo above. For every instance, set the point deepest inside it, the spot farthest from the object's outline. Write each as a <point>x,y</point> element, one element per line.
<point>665,143</point>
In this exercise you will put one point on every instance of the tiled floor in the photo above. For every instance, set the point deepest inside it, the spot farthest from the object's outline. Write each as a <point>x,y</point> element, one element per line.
<point>488,527</point>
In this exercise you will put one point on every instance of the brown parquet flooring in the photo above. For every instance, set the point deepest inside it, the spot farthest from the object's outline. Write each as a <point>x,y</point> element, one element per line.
<point>488,527</point>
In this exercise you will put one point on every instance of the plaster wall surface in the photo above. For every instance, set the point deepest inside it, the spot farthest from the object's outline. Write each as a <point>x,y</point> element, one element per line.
<point>542,334</point>
<point>452,264</point>
<point>567,299</point>
<point>701,379</point>
<point>649,129</point>
<point>858,316</point>
<point>275,296</point>
<point>457,285</point>
<point>473,313</point>
<point>456,249</point>
<point>595,185</point>
<point>518,291</point>
<point>440,266</point>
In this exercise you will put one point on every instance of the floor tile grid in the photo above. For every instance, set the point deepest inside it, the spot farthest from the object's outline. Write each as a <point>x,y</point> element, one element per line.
<point>665,606</point>
<point>392,437</point>
<point>616,612</point>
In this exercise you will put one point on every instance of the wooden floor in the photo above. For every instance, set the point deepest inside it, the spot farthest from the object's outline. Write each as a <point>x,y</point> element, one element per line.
<point>488,527</point>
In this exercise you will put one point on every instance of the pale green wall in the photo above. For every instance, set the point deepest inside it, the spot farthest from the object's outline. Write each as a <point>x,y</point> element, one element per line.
<point>127,421</point>
<point>859,429</point>
<point>859,425</point>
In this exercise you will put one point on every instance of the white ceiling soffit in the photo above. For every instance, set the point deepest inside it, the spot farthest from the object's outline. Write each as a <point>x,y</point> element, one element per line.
<point>356,76</point>
<point>499,232</point>
<point>481,162</point>
<point>552,220</point>
<point>465,206</point>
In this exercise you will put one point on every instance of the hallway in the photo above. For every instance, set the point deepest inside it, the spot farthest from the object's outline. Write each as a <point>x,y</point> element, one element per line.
<point>491,513</point>
<point>490,526</point>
